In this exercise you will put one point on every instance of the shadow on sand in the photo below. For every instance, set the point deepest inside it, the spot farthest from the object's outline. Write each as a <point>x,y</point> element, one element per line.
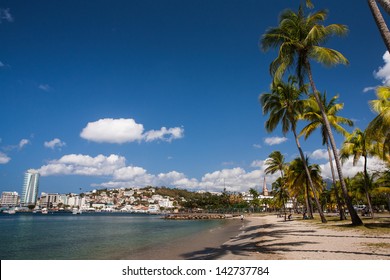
<point>267,239</point>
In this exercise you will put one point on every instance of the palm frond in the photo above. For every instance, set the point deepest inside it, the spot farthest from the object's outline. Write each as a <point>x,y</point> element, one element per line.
<point>326,56</point>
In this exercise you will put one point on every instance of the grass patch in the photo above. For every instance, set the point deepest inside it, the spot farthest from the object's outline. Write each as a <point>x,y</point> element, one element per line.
<point>379,225</point>
<point>380,245</point>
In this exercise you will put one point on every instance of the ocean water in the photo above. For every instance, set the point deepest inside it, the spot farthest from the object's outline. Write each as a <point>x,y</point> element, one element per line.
<point>92,236</point>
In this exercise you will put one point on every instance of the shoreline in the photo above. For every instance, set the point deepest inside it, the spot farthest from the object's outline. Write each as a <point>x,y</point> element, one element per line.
<point>199,245</point>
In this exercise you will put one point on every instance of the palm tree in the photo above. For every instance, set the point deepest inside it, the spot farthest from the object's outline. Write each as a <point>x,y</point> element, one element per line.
<point>297,179</point>
<point>284,106</point>
<point>313,115</point>
<point>299,40</point>
<point>380,22</point>
<point>379,127</point>
<point>358,145</point>
<point>280,194</point>
<point>275,162</point>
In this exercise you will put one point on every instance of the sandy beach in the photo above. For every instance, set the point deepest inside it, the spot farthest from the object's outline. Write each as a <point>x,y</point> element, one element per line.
<point>272,238</point>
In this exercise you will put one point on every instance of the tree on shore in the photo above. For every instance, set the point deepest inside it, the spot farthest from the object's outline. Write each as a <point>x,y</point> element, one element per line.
<point>359,145</point>
<point>297,180</point>
<point>284,106</point>
<point>313,115</point>
<point>299,39</point>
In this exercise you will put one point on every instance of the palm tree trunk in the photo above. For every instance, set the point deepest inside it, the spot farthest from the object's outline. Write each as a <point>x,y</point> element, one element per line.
<point>380,22</point>
<point>323,219</point>
<point>354,216</point>
<point>385,5</point>
<point>366,187</point>
<point>308,200</point>
<point>339,205</point>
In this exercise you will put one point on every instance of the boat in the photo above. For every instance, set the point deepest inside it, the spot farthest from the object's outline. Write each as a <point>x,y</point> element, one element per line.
<point>44,211</point>
<point>76,211</point>
<point>10,211</point>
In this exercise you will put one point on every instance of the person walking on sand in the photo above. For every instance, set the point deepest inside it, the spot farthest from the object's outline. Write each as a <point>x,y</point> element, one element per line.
<point>242,217</point>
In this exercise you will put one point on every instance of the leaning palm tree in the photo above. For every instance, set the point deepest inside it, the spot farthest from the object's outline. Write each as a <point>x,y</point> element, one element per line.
<point>284,106</point>
<point>313,115</point>
<point>379,20</point>
<point>358,145</point>
<point>379,128</point>
<point>297,179</point>
<point>300,39</point>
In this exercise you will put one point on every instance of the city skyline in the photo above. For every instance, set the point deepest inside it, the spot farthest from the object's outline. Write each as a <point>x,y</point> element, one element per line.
<point>129,94</point>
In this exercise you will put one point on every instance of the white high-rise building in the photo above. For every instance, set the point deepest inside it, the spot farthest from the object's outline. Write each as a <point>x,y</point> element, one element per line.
<point>9,199</point>
<point>30,188</point>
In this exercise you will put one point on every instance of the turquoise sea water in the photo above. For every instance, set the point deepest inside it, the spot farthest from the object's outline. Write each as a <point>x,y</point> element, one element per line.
<point>91,236</point>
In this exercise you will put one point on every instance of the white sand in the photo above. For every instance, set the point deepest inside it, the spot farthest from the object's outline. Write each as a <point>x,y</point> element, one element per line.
<point>272,238</point>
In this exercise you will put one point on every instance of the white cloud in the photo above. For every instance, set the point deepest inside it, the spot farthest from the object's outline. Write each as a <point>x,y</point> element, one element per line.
<point>55,143</point>
<point>367,89</point>
<point>23,143</point>
<point>257,146</point>
<point>320,154</point>
<point>84,165</point>
<point>121,131</point>
<point>164,134</point>
<point>4,158</point>
<point>2,64</point>
<point>6,15</point>
<point>113,131</point>
<point>114,167</point>
<point>44,87</point>
<point>274,140</point>
<point>349,170</point>
<point>383,72</point>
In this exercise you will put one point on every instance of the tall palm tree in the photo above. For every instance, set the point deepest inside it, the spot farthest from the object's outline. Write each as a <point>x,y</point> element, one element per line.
<point>358,145</point>
<point>284,106</point>
<point>313,115</point>
<point>299,39</point>
<point>380,22</point>
<point>297,178</point>
<point>379,128</point>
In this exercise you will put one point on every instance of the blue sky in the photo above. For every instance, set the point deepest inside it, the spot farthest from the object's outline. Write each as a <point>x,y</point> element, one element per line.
<point>129,93</point>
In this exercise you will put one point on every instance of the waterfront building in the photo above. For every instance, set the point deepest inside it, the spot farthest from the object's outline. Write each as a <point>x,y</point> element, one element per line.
<point>49,200</point>
<point>9,199</point>
<point>30,188</point>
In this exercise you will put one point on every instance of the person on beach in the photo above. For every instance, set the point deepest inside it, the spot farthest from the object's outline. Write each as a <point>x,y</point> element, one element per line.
<point>242,217</point>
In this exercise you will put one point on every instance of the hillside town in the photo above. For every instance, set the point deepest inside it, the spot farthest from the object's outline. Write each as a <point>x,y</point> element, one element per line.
<point>133,200</point>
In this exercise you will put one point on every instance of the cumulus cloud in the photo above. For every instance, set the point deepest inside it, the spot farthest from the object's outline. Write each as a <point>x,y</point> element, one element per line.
<point>5,15</point>
<point>121,175</point>
<point>349,170</point>
<point>257,146</point>
<point>320,154</point>
<point>55,143</point>
<point>121,131</point>
<point>383,72</point>
<point>274,140</point>
<point>4,158</point>
<point>77,164</point>
<point>117,131</point>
